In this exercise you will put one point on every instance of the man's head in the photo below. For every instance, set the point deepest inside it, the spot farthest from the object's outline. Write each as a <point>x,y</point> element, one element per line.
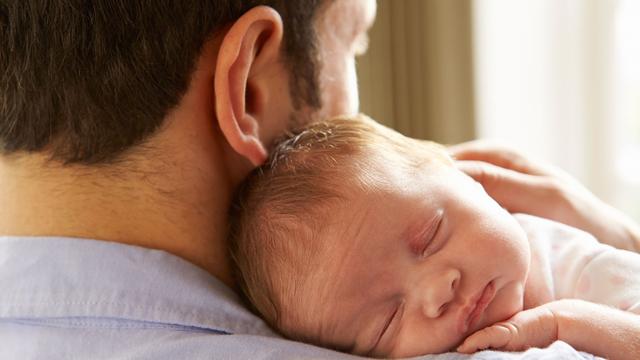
<point>354,237</point>
<point>87,81</point>
<point>150,113</point>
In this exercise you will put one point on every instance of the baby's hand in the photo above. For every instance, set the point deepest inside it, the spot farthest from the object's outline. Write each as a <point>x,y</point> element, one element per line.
<point>537,327</point>
<point>594,328</point>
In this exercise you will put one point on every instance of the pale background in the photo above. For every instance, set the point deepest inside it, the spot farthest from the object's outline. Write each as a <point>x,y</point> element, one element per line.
<point>558,79</point>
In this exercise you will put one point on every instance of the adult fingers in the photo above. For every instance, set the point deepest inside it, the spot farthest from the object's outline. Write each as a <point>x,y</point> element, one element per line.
<point>515,191</point>
<point>496,154</point>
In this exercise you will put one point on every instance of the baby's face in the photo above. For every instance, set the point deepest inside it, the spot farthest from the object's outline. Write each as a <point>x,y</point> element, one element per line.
<point>417,262</point>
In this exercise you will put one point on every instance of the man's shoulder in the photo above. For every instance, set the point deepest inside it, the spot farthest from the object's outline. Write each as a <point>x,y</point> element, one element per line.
<point>22,342</point>
<point>83,298</point>
<point>29,341</point>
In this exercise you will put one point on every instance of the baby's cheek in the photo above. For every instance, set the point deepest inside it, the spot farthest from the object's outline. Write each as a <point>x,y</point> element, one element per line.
<point>509,300</point>
<point>425,339</point>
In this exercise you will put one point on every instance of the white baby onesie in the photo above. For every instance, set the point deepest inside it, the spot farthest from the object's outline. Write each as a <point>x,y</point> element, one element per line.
<point>578,266</point>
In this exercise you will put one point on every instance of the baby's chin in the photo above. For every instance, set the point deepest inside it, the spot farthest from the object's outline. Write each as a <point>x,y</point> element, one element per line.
<point>502,308</point>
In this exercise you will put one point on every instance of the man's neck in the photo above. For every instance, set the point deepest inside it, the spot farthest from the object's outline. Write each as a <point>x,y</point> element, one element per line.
<point>178,209</point>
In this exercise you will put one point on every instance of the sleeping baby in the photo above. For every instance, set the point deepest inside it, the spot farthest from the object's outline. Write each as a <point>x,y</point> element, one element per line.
<point>359,239</point>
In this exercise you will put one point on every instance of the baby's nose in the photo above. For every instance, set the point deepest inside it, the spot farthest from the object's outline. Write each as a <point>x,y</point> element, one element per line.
<point>441,293</point>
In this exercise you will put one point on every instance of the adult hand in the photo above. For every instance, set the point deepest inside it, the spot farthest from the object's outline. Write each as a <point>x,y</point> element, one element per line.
<point>520,184</point>
<point>537,327</point>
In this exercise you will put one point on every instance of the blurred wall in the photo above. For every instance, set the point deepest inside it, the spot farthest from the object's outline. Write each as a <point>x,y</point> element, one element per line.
<point>417,75</point>
<point>559,80</point>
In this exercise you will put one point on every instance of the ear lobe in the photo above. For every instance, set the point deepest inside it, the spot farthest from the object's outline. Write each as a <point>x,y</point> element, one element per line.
<point>253,40</point>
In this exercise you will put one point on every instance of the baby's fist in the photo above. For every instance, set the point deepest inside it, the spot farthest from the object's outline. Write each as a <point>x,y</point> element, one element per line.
<point>537,327</point>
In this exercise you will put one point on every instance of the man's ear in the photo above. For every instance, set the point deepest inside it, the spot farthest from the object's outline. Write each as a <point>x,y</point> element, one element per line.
<point>252,43</point>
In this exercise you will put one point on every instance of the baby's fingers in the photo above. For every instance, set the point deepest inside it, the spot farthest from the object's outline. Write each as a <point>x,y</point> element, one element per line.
<point>496,337</point>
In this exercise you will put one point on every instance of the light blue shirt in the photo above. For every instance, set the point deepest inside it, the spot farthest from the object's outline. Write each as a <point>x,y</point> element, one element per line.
<point>63,298</point>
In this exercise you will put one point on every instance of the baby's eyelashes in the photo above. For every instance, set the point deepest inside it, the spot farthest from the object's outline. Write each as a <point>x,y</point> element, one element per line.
<point>387,340</point>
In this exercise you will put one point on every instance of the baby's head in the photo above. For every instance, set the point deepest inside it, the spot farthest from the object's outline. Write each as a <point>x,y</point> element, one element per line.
<point>357,238</point>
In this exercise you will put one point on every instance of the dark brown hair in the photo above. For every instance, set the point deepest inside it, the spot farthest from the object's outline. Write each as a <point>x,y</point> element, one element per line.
<point>87,80</point>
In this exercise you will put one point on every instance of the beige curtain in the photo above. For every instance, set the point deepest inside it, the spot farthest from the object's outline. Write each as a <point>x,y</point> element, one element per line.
<point>417,75</point>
